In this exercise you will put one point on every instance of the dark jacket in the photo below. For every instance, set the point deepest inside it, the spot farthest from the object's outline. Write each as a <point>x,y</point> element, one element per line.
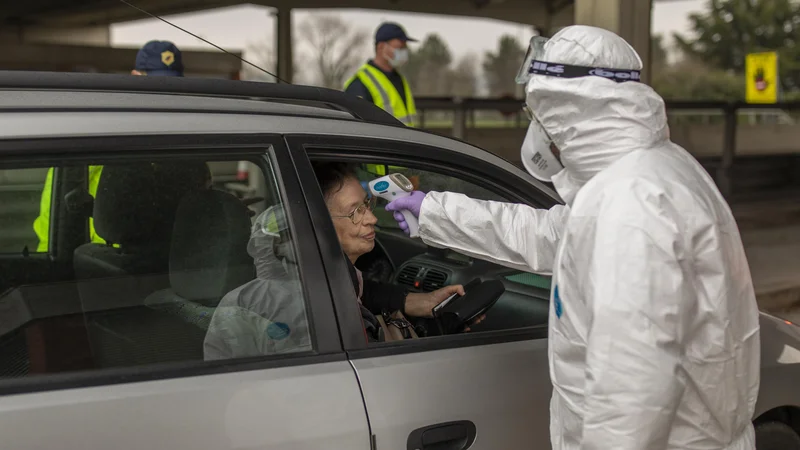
<point>377,298</point>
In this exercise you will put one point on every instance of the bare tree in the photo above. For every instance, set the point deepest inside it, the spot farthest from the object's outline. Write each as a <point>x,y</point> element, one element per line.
<point>262,54</point>
<point>335,48</point>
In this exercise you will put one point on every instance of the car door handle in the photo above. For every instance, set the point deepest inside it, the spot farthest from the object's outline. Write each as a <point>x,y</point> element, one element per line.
<point>458,435</point>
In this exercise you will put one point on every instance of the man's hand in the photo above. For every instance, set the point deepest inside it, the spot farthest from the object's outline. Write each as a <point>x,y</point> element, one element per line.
<point>474,322</point>
<point>421,305</point>
<point>412,203</point>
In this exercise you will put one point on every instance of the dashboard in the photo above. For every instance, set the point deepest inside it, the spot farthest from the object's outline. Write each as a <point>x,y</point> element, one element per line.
<point>524,303</point>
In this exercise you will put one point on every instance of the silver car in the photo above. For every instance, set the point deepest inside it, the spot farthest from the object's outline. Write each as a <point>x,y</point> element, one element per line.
<point>128,206</point>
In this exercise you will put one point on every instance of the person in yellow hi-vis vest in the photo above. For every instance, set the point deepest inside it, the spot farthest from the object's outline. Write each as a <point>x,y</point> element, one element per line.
<point>379,81</point>
<point>156,58</point>
<point>42,223</point>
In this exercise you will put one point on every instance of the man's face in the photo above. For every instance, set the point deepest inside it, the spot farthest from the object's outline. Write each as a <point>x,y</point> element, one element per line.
<point>387,49</point>
<point>356,238</point>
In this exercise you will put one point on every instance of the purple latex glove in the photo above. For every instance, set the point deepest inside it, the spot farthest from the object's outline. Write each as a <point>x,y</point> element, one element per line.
<point>412,203</point>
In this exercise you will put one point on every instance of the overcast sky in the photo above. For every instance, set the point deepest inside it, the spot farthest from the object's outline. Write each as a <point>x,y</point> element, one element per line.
<point>234,28</point>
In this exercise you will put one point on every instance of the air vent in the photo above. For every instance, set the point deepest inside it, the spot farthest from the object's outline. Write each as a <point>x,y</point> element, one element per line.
<point>408,275</point>
<point>433,280</point>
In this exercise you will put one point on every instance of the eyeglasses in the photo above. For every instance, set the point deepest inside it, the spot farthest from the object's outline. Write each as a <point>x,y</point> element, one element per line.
<point>358,214</point>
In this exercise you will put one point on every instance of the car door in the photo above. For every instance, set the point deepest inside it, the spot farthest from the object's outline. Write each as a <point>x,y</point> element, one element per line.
<point>487,389</point>
<point>171,335</point>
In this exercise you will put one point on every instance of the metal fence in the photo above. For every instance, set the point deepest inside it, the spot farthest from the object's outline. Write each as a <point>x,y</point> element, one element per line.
<point>462,114</point>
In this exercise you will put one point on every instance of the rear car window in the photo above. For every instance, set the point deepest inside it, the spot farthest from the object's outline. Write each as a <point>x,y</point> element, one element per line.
<point>145,262</point>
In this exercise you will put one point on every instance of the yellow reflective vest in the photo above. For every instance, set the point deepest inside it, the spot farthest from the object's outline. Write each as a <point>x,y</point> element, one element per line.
<point>385,95</point>
<point>42,223</point>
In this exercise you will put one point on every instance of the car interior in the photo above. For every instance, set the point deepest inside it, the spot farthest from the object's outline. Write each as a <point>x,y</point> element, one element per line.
<point>401,260</point>
<point>175,246</point>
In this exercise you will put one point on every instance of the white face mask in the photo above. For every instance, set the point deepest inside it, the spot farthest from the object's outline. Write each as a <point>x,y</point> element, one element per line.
<point>536,155</point>
<point>400,57</point>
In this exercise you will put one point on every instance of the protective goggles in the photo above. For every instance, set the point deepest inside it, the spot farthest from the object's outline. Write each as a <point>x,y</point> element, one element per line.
<point>533,64</point>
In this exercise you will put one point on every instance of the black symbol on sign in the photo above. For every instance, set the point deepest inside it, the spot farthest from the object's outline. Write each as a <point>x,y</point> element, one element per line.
<point>761,83</point>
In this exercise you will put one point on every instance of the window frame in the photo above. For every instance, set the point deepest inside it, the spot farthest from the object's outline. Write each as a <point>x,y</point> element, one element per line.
<point>305,147</point>
<point>264,149</point>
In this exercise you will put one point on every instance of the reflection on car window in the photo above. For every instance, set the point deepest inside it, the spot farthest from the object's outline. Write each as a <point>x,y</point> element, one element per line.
<point>20,193</point>
<point>157,261</point>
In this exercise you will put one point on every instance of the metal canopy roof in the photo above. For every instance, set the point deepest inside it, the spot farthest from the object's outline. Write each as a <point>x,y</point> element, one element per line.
<point>77,13</point>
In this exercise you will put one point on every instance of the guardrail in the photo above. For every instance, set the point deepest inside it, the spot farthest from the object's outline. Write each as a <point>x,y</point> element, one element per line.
<point>464,114</point>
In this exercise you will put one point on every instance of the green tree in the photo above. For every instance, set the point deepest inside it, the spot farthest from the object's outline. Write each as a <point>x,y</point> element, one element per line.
<point>693,80</point>
<point>500,68</point>
<point>658,52</point>
<point>464,76</point>
<point>730,29</point>
<point>428,67</point>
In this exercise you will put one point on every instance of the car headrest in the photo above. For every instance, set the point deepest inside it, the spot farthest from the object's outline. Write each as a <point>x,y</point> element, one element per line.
<point>125,205</point>
<point>175,179</point>
<point>208,255</point>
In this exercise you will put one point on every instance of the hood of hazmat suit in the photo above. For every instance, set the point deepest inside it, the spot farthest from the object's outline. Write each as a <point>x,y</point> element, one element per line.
<point>267,315</point>
<point>653,327</point>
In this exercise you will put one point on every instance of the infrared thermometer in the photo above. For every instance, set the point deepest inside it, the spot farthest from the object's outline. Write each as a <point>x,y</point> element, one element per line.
<point>390,188</point>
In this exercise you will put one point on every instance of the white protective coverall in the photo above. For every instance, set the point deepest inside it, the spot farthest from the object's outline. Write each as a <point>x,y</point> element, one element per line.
<point>653,330</point>
<point>267,315</point>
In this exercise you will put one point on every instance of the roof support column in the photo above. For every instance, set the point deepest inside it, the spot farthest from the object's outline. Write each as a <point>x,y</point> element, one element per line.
<point>628,18</point>
<point>283,21</point>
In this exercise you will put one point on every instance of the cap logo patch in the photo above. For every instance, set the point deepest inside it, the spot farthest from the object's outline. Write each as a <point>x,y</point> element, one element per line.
<point>167,57</point>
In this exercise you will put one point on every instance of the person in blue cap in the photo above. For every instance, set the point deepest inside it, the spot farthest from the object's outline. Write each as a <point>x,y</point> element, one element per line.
<point>159,58</point>
<point>156,58</point>
<point>379,81</point>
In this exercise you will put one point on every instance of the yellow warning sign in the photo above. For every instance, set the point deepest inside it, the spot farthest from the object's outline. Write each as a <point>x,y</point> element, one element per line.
<point>761,72</point>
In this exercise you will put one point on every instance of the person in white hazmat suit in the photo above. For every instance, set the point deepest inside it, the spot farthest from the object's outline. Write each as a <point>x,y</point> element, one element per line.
<point>653,330</point>
<point>262,317</point>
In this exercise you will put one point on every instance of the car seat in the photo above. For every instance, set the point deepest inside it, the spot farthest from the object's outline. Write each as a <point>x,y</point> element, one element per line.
<point>134,208</point>
<point>208,257</point>
<point>124,212</point>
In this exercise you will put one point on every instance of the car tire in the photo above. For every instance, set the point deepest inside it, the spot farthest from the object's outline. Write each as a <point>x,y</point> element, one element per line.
<point>776,436</point>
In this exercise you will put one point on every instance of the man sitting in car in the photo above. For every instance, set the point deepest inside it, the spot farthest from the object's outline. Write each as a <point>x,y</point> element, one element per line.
<point>351,209</point>
<point>267,315</point>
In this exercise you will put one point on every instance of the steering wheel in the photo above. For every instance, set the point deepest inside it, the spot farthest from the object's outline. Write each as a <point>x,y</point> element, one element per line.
<point>462,312</point>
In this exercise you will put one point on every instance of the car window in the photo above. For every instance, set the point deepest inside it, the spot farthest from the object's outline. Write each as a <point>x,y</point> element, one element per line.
<point>425,181</point>
<point>21,192</point>
<point>156,261</point>
<point>423,270</point>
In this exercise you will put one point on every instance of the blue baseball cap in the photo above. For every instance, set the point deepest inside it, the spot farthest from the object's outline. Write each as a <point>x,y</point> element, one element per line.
<point>389,30</point>
<point>160,58</point>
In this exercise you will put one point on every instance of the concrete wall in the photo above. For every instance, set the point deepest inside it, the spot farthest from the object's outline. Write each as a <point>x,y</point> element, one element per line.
<point>65,58</point>
<point>91,35</point>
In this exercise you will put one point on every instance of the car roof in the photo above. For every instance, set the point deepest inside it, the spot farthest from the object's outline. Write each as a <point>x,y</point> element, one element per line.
<point>87,101</point>
<point>188,94</point>
<point>37,105</point>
